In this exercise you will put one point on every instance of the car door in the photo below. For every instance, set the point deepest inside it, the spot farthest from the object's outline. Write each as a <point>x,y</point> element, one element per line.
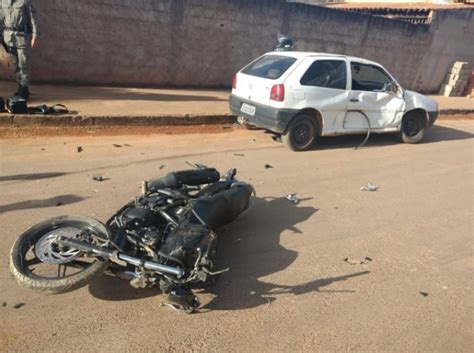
<point>323,86</point>
<point>373,93</point>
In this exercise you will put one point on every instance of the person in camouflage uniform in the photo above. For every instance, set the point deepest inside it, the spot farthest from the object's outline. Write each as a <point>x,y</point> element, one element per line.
<point>19,26</point>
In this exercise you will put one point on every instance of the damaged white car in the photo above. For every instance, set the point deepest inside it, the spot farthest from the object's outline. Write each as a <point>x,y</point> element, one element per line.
<point>301,96</point>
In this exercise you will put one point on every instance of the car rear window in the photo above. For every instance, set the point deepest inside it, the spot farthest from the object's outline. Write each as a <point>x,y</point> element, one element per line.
<point>269,66</point>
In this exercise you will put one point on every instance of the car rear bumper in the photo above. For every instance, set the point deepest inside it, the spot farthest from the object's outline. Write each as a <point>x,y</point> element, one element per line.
<point>270,118</point>
<point>432,116</point>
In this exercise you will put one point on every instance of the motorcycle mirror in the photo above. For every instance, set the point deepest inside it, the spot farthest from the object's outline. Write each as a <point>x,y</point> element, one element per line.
<point>231,174</point>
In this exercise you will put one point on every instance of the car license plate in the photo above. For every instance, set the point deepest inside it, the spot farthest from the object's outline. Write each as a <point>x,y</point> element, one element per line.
<point>248,109</point>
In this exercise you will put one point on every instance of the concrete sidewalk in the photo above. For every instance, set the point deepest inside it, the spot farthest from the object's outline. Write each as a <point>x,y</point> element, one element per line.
<point>146,106</point>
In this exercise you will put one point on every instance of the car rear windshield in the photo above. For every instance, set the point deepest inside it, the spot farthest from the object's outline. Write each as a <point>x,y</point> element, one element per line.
<point>269,66</point>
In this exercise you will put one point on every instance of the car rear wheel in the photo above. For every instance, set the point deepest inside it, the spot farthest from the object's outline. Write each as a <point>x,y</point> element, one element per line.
<point>301,133</point>
<point>413,127</point>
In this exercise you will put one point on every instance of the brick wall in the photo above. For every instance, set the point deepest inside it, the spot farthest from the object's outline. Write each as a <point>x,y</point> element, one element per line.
<point>204,42</point>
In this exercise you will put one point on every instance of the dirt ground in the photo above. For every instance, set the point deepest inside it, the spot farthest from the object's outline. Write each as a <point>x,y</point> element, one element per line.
<point>407,284</point>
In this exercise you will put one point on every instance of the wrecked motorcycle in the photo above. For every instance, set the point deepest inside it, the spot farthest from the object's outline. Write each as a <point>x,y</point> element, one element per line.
<point>165,237</point>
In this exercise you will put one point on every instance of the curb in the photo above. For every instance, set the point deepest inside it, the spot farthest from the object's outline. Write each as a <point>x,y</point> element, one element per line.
<point>85,120</point>
<point>456,111</point>
<point>158,120</point>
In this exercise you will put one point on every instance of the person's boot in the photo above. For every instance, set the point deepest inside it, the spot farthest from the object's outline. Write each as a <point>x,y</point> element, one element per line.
<point>23,92</point>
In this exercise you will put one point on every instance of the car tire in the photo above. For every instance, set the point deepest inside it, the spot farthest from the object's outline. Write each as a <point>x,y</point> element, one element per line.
<point>413,127</point>
<point>301,133</point>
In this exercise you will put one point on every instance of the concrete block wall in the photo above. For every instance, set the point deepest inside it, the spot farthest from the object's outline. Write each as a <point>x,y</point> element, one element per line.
<point>202,43</point>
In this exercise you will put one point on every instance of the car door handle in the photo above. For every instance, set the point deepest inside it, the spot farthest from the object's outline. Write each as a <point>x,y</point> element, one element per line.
<point>354,100</point>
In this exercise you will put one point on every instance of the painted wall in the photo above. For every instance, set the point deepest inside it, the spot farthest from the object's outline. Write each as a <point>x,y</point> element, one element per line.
<point>202,43</point>
<point>453,40</point>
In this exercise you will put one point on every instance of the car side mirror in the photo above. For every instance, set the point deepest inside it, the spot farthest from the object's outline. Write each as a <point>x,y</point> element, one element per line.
<point>392,88</point>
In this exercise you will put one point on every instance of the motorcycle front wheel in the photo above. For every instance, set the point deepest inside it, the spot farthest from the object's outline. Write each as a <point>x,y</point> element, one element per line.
<point>38,262</point>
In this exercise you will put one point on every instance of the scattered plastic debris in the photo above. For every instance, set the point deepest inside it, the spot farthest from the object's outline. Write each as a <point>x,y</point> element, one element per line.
<point>116,145</point>
<point>18,306</point>
<point>293,198</point>
<point>425,294</point>
<point>239,154</point>
<point>268,166</point>
<point>369,187</point>
<point>352,261</point>
<point>79,149</point>
<point>98,178</point>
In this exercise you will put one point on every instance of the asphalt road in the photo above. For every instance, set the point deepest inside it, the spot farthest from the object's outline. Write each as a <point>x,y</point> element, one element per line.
<point>290,288</point>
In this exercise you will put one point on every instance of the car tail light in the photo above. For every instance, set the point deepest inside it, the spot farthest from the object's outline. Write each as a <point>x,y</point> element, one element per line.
<point>278,93</point>
<point>234,82</point>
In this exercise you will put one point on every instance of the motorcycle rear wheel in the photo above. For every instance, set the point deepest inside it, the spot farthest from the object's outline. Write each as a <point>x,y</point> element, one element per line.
<point>36,260</point>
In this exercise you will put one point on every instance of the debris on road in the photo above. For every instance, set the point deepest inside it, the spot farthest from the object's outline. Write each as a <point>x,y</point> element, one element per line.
<point>98,178</point>
<point>369,187</point>
<point>352,261</point>
<point>239,154</point>
<point>116,145</point>
<point>59,204</point>
<point>18,306</point>
<point>79,149</point>
<point>162,166</point>
<point>4,304</point>
<point>268,166</point>
<point>293,198</point>
<point>127,145</point>
<point>196,165</point>
<point>425,294</point>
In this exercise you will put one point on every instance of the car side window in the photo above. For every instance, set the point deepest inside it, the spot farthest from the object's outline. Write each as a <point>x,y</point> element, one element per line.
<point>369,78</point>
<point>326,73</point>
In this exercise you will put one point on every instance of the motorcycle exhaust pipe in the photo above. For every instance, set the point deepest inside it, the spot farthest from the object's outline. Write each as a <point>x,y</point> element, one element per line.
<point>119,258</point>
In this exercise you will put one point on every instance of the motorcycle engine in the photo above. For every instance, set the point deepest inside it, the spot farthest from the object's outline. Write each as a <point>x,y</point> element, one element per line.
<point>152,236</point>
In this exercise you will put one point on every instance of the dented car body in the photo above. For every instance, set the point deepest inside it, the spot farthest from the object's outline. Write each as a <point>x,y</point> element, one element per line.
<point>302,95</point>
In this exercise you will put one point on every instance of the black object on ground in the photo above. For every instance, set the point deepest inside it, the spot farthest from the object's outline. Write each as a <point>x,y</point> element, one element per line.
<point>425,294</point>
<point>116,145</point>
<point>79,149</point>
<point>268,166</point>
<point>18,306</point>
<point>239,154</point>
<point>4,304</point>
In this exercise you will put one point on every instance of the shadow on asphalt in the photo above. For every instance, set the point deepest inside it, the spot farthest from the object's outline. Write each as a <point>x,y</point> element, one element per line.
<point>251,247</point>
<point>435,134</point>
<point>51,202</point>
<point>33,176</point>
<point>110,287</point>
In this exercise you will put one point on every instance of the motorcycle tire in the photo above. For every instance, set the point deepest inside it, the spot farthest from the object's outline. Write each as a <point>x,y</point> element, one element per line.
<point>42,236</point>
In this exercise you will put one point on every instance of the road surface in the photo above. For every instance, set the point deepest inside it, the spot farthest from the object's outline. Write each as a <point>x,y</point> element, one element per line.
<point>406,283</point>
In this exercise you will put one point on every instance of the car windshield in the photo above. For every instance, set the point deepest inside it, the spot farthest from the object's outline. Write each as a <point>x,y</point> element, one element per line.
<point>269,66</point>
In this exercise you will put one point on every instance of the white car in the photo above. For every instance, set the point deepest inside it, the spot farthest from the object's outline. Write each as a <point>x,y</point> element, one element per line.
<point>302,95</point>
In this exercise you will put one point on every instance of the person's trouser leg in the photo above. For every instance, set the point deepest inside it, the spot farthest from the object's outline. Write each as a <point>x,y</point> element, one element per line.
<point>22,68</point>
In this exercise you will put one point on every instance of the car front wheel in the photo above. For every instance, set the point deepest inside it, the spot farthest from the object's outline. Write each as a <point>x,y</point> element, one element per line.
<point>301,133</point>
<point>413,127</point>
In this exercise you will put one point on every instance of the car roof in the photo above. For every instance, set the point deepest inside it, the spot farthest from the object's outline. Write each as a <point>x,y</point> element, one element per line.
<point>304,54</point>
